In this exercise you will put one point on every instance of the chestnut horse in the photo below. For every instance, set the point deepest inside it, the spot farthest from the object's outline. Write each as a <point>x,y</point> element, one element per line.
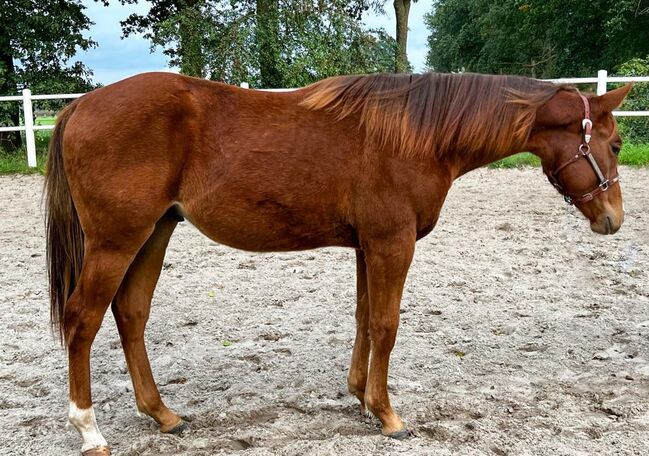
<point>355,161</point>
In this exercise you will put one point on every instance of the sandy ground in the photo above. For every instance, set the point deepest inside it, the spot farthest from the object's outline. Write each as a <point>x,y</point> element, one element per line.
<point>521,333</point>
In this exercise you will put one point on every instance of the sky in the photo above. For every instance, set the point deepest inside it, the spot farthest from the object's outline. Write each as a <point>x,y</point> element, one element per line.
<point>117,58</point>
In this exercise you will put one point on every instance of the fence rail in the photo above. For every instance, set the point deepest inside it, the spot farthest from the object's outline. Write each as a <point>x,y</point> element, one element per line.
<point>602,80</point>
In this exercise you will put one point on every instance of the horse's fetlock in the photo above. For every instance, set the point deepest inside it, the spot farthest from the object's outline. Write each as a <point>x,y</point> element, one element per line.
<point>373,404</point>
<point>356,388</point>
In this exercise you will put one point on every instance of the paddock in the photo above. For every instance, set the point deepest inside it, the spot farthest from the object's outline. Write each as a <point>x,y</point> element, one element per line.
<point>528,334</point>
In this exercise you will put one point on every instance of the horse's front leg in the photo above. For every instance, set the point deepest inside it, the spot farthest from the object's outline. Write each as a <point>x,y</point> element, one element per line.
<point>387,263</point>
<point>357,378</point>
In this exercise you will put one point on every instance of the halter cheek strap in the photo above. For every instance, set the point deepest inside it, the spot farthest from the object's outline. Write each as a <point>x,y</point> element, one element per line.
<point>583,151</point>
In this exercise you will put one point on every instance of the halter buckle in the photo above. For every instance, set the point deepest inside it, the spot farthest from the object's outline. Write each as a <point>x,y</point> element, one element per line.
<point>587,126</point>
<point>605,185</point>
<point>586,198</point>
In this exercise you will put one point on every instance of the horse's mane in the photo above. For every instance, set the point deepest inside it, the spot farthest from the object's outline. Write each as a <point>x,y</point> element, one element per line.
<point>437,113</point>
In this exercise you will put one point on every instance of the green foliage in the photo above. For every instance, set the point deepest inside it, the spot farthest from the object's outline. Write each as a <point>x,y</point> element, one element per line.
<point>268,43</point>
<point>178,26</point>
<point>317,44</point>
<point>42,40</point>
<point>635,129</point>
<point>43,36</point>
<point>544,39</point>
<point>315,40</point>
<point>37,39</point>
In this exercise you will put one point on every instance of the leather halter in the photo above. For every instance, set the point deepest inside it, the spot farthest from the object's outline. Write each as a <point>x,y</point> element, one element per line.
<point>583,151</point>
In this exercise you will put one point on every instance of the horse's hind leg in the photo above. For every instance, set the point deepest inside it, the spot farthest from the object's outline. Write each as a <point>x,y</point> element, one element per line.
<point>360,355</point>
<point>104,266</point>
<point>131,310</point>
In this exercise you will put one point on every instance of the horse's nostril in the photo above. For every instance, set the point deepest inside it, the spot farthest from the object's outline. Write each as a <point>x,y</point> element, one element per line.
<point>609,225</point>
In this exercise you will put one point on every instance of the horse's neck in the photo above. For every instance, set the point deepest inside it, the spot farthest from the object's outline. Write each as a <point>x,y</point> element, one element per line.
<point>463,163</point>
<point>480,142</point>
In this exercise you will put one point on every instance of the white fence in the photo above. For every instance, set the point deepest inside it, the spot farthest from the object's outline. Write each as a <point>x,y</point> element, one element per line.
<point>28,115</point>
<point>602,80</point>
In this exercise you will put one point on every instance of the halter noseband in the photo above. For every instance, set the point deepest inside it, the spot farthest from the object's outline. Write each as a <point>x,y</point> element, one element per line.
<point>583,151</point>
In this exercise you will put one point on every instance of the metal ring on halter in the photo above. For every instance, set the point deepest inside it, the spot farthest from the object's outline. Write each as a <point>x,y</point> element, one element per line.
<point>584,149</point>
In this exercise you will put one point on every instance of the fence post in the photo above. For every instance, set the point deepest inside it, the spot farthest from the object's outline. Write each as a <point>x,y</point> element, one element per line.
<point>245,85</point>
<point>601,82</point>
<point>29,128</point>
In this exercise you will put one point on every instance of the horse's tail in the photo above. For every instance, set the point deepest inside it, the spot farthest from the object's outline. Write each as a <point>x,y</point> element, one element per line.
<point>64,234</point>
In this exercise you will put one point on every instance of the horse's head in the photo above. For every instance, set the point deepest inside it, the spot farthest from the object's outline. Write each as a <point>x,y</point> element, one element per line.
<point>577,140</point>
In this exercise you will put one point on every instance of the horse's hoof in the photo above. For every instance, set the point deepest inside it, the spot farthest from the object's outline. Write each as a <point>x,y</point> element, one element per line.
<point>403,434</point>
<point>97,451</point>
<point>178,429</point>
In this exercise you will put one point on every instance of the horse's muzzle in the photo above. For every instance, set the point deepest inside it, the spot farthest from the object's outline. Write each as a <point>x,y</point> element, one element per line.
<point>607,224</point>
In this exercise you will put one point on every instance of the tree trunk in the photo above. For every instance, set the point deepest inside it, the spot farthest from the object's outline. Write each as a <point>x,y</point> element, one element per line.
<point>402,11</point>
<point>268,43</point>
<point>9,111</point>
<point>191,53</point>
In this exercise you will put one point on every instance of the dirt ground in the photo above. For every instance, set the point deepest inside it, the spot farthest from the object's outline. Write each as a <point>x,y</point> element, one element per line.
<point>522,333</point>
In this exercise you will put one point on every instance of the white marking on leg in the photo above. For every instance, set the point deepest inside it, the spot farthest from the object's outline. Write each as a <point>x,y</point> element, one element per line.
<point>84,421</point>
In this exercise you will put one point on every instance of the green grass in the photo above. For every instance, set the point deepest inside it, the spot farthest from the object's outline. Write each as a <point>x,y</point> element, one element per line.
<point>16,163</point>
<point>517,161</point>
<point>631,155</point>
<point>45,120</point>
<point>635,155</point>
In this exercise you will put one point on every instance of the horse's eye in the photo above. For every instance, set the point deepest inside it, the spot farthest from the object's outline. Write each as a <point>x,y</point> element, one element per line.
<point>616,149</point>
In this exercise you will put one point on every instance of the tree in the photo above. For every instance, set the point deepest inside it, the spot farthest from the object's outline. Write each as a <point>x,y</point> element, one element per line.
<point>270,43</point>
<point>36,42</point>
<point>267,37</point>
<point>544,39</point>
<point>311,40</point>
<point>402,13</point>
<point>178,26</point>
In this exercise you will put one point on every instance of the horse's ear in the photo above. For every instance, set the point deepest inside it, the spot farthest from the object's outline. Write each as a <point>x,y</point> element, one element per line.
<point>611,100</point>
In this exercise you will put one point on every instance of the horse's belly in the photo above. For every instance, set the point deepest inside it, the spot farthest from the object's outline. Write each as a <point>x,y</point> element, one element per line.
<point>265,226</point>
